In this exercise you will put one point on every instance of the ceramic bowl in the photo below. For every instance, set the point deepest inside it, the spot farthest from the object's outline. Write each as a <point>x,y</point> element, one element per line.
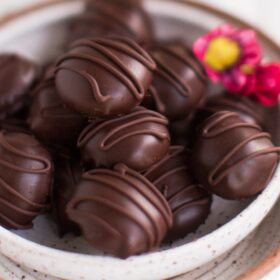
<point>39,34</point>
<point>246,261</point>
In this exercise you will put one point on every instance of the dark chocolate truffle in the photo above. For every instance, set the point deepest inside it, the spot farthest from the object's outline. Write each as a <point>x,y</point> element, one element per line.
<point>138,139</point>
<point>189,202</point>
<point>120,212</point>
<point>25,179</point>
<point>104,77</point>
<point>17,76</point>
<point>51,120</point>
<point>179,81</point>
<point>249,110</point>
<point>232,158</point>
<point>113,18</point>
<point>66,177</point>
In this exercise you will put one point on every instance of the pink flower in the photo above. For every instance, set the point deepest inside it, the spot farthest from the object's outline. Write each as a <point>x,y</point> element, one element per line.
<point>268,84</point>
<point>230,56</point>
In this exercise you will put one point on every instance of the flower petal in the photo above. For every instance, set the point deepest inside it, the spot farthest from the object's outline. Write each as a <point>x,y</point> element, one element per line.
<point>268,84</point>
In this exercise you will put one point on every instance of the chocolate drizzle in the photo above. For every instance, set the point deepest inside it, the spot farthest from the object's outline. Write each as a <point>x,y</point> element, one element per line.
<point>45,162</point>
<point>108,54</point>
<point>240,144</point>
<point>209,131</point>
<point>142,134</point>
<point>168,73</point>
<point>245,107</point>
<point>190,204</point>
<point>18,209</point>
<point>96,93</point>
<point>179,80</point>
<point>115,192</point>
<point>51,120</point>
<point>53,110</point>
<point>128,127</point>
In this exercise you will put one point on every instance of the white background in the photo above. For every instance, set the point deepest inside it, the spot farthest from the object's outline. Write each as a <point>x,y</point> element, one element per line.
<point>264,13</point>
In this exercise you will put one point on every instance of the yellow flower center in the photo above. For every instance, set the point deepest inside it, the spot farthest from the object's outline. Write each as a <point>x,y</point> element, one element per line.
<point>222,53</point>
<point>247,69</point>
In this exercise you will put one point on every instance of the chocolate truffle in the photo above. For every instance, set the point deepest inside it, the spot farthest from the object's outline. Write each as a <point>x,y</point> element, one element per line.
<point>232,158</point>
<point>67,175</point>
<point>249,110</point>
<point>189,202</point>
<point>138,139</point>
<point>17,76</point>
<point>51,120</point>
<point>119,211</point>
<point>25,179</point>
<point>179,81</point>
<point>113,18</point>
<point>104,77</point>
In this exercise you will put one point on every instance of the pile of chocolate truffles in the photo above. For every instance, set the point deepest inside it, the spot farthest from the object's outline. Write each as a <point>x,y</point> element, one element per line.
<point>118,139</point>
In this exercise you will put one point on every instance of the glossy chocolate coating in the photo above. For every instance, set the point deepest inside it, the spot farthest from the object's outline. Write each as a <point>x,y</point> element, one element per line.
<point>232,158</point>
<point>17,75</point>
<point>25,179</point>
<point>110,76</point>
<point>190,204</point>
<point>179,81</point>
<point>119,211</point>
<point>245,107</point>
<point>113,18</point>
<point>14,125</point>
<point>66,177</point>
<point>51,120</point>
<point>138,139</point>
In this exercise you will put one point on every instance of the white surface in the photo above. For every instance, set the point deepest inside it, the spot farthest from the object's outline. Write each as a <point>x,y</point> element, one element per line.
<point>263,13</point>
<point>182,257</point>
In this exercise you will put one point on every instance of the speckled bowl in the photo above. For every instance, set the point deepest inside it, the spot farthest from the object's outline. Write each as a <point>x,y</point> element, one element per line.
<point>39,34</point>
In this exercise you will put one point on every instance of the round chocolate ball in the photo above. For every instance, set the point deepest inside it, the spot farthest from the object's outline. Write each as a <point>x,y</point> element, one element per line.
<point>179,81</point>
<point>121,18</point>
<point>119,211</point>
<point>232,158</point>
<point>51,120</point>
<point>104,77</point>
<point>189,202</point>
<point>17,76</point>
<point>66,177</point>
<point>26,178</point>
<point>138,139</point>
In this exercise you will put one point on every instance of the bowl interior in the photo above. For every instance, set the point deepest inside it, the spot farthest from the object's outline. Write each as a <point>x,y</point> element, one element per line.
<point>43,45</point>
